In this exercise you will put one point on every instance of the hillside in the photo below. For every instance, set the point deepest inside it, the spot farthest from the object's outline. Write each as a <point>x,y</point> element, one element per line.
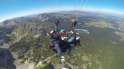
<point>101,49</point>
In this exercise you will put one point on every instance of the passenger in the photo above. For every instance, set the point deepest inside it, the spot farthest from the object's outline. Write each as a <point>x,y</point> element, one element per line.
<point>54,35</point>
<point>55,38</point>
<point>74,39</point>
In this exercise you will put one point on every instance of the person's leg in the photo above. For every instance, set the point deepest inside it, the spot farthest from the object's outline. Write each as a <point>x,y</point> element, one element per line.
<point>69,48</point>
<point>57,49</point>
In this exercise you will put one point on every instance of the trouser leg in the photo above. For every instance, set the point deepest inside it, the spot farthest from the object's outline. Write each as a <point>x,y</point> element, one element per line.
<point>58,49</point>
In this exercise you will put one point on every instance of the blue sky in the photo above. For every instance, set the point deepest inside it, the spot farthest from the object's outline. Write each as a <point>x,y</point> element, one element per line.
<point>16,8</point>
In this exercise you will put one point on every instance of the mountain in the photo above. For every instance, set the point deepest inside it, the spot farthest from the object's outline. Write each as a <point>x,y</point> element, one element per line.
<point>101,49</point>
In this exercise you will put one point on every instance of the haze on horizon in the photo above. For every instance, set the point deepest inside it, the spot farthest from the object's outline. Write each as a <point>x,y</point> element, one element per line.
<point>16,8</point>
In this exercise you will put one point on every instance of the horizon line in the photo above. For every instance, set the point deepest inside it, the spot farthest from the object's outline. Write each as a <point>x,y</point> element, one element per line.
<point>49,10</point>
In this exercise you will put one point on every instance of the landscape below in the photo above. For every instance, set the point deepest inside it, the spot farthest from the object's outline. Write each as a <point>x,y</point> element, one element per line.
<point>23,40</point>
